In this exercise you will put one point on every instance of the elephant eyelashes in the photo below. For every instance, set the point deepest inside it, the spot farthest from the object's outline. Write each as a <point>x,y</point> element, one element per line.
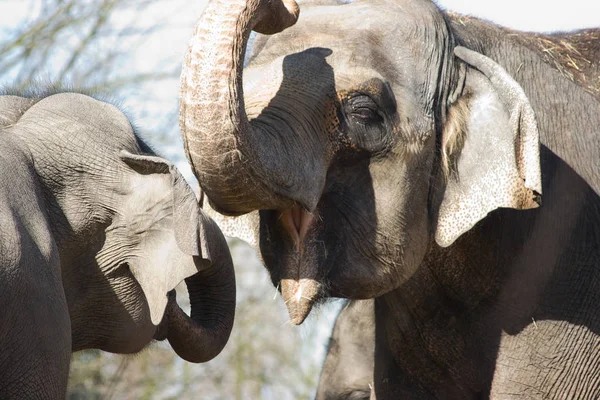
<point>363,110</point>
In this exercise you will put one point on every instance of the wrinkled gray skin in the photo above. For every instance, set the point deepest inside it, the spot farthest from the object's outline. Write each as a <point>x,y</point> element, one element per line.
<point>96,232</point>
<point>348,368</point>
<point>340,130</point>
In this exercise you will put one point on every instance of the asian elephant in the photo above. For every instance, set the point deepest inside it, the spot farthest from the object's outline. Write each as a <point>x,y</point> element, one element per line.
<point>96,231</point>
<point>392,150</point>
<point>348,367</point>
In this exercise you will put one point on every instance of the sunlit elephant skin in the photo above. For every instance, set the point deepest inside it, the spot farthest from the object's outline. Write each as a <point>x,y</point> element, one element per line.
<point>393,152</point>
<point>96,231</point>
<point>348,367</point>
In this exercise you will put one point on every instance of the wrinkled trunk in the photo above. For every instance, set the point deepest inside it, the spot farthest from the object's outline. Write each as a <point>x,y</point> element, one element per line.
<point>202,336</point>
<point>229,156</point>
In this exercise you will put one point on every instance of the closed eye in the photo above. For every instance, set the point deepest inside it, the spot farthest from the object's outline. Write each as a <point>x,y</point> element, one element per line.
<point>364,115</point>
<point>363,110</point>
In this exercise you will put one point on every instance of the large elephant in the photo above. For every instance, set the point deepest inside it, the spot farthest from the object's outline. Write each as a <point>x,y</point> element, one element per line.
<point>96,232</point>
<point>348,367</point>
<point>393,152</point>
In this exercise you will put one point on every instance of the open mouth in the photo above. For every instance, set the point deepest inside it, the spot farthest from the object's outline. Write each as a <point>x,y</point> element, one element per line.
<point>300,287</point>
<point>297,221</point>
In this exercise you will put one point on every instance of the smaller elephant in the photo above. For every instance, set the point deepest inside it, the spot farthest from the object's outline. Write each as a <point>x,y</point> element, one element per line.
<point>96,232</point>
<point>348,368</point>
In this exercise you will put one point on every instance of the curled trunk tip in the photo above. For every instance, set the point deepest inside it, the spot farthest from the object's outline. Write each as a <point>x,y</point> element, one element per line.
<point>203,335</point>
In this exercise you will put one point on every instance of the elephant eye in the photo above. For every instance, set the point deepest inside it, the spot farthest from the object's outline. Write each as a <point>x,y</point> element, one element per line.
<point>362,109</point>
<point>367,128</point>
<point>364,114</point>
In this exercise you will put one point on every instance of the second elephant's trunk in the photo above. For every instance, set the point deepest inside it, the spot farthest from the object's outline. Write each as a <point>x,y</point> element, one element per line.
<point>202,336</point>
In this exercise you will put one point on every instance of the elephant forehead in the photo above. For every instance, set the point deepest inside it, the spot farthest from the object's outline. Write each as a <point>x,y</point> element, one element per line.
<point>323,51</point>
<point>308,69</point>
<point>350,17</point>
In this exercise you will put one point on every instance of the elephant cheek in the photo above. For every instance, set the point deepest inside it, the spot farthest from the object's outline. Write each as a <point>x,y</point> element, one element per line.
<point>129,328</point>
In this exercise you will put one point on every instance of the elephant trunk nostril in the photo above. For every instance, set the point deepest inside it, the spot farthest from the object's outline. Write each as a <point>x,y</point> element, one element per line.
<point>296,221</point>
<point>277,16</point>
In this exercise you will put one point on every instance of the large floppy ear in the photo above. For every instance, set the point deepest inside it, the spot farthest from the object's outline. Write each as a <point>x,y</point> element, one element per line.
<point>491,155</point>
<point>191,229</point>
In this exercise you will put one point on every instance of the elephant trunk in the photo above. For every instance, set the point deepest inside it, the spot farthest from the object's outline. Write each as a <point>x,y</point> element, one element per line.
<point>202,336</point>
<point>222,147</point>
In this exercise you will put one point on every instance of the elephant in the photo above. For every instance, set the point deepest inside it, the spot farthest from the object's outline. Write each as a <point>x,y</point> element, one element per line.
<point>388,149</point>
<point>97,230</point>
<point>348,367</point>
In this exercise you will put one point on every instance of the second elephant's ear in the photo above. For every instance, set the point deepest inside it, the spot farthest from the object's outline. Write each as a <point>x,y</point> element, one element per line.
<point>186,209</point>
<point>491,151</point>
<point>172,264</point>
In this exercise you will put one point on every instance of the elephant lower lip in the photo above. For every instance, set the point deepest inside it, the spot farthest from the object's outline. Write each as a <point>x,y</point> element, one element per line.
<point>299,296</point>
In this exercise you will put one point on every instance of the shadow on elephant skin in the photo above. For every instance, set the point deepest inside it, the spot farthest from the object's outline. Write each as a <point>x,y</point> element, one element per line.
<point>345,191</point>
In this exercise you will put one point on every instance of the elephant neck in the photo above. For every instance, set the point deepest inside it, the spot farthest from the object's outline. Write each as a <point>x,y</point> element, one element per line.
<point>424,324</point>
<point>514,273</point>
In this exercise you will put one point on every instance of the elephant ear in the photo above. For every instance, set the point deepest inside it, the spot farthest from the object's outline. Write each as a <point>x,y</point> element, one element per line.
<point>190,228</point>
<point>243,227</point>
<point>494,152</point>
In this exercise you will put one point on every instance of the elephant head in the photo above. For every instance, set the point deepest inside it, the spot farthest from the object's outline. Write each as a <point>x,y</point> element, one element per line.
<point>128,229</point>
<point>362,134</point>
<point>170,239</point>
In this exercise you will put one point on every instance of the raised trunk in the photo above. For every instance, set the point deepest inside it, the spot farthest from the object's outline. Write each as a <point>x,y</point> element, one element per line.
<point>202,336</point>
<point>222,147</point>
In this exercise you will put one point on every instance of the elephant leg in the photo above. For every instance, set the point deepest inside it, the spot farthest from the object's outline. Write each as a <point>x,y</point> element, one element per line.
<point>35,335</point>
